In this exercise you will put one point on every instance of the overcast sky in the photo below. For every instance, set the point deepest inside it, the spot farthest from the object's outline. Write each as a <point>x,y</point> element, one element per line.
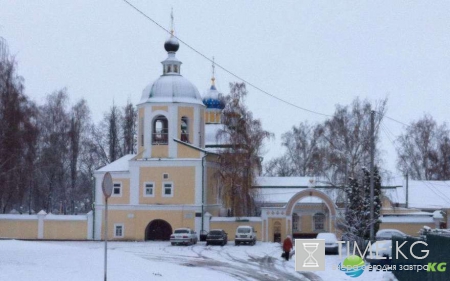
<point>314,54</point>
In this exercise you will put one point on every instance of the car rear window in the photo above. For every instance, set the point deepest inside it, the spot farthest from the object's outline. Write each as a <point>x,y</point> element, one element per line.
<point>243,230</point>
<point>181,231</point>
<point>216,232</point>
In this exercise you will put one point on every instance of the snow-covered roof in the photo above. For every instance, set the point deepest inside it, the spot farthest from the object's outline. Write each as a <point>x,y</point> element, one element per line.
<point>170,89</point>
<point>407,219</point>
<point>287,182</point>
<point>120,165</point>
<point>422,194</point>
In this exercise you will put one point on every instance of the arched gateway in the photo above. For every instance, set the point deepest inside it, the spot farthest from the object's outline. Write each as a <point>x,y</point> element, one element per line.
<point>287,215</point>
<point>158,230</point>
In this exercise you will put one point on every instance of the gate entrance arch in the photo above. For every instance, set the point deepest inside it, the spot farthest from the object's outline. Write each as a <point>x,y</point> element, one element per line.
<point>313,193</point>
<point>158,230</point>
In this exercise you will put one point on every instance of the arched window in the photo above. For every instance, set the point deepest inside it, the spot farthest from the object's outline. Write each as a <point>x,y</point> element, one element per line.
<point>184,129</point>
<point>160,130</point>
<point>319,221</point>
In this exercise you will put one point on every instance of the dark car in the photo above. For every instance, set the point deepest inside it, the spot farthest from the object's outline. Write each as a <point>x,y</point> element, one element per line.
<point>216,236</point>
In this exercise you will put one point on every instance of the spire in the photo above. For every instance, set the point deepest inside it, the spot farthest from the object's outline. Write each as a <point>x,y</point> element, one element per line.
<point>213,79</point>
<point>171,45</point>
<point>171,21</point>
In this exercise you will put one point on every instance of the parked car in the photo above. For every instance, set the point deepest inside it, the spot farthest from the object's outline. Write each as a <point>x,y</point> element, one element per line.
<point>386,234</point>
<point>217,236</point>
<point>245,234</point>
<point>331,245</point>
<point>184,236</point>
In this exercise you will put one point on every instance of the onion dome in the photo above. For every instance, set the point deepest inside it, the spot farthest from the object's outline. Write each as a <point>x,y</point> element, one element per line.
<point>171,87</point>
<point>171,45</point>
<point>212,98</point>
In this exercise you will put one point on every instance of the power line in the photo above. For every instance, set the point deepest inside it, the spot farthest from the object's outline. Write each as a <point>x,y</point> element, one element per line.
<point>223,68</point>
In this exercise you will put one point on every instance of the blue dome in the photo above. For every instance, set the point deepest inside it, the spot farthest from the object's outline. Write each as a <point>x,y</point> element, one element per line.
<point>212,99</point>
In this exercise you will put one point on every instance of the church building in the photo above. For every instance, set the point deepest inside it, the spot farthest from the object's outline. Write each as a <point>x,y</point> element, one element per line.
<point>169,183</point>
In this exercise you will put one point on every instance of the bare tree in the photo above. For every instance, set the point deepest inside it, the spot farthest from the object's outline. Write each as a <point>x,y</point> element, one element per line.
<point>347,139</point>
<point>425,150</point>
<point>241,160</point>
<point>334,150</point>
<point>17,134</point>
<point>54,160</point>
<point>279,167</point>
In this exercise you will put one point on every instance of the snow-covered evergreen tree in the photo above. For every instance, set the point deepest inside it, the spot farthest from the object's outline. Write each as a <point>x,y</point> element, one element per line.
<point>357,213</point>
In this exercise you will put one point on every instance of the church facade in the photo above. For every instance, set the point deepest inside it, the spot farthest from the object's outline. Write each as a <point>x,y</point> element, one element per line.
<point>169,183</point>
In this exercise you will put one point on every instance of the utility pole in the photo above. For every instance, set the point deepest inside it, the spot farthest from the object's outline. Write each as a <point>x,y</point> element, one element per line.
<point>372,156</point>
<point>407,182</point>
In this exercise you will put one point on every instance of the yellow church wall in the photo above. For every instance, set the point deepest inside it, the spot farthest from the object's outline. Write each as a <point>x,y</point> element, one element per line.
<point>212,191</point>
<point>160,151</point>
<point>183,150</point>
<point>160,107</point>
<point>125,197</point>
<point>187,152</point>
<point>19,229</point>
<point>230,227</point>
<point>61,230</point>
<point>212,116</point>
<point>135,222</point>
<point>183,179</point>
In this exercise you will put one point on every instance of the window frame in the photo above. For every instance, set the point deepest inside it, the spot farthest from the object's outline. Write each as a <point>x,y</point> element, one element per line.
<point>122,226</point>
<point>164,189</point>
<point>120,189</point>
<point>297,221</point>
<point>145,189</point>
<point>315,216</point>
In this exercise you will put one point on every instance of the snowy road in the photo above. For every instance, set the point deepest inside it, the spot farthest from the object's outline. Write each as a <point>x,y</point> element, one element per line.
<point>33,260</point>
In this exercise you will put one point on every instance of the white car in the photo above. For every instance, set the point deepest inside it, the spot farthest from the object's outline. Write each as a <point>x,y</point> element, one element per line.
<point>331,244</point>
<point>386,234</point>
<point>245,234</point>
<point>184,236</point>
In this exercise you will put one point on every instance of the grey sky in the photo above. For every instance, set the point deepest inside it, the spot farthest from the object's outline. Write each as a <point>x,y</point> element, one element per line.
<point>312,53</point>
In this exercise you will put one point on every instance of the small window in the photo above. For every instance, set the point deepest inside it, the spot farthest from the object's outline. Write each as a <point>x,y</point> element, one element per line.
<point>165,176</point>
<point>295,222</point>
<point>319,221</point>
<point>117,189</point>
<point>118,230</point>
<point>149,189</point>
<point>167,189</point>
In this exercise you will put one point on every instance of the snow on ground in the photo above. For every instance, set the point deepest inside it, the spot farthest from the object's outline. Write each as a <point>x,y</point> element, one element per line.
<point>40,260</point>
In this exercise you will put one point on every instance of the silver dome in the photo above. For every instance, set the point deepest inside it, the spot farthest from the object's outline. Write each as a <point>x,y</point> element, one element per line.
<point>171,88</point>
